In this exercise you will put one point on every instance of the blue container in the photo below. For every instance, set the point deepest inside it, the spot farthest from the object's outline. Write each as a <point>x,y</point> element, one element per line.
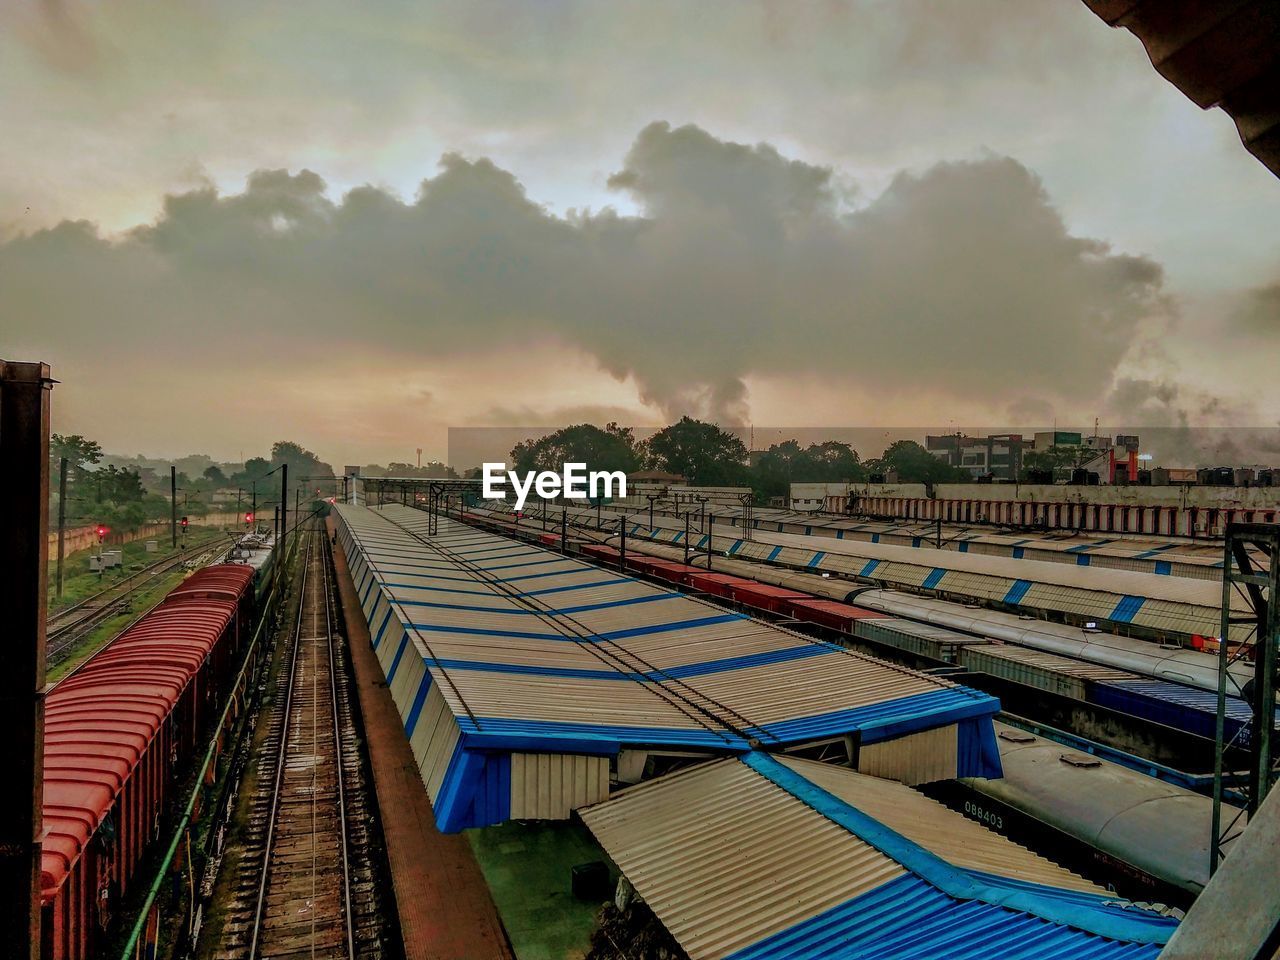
<point>1184,708</point>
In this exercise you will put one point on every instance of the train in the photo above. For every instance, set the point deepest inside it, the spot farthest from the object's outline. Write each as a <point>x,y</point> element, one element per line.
<point>121,732</point>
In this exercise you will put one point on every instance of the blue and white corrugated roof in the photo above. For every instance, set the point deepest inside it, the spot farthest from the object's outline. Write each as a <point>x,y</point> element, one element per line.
<point>763,857</point>
<point>493,647</point>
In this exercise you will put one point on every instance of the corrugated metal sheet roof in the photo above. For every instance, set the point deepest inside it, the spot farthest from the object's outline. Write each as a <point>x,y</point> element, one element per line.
<point>727,860</point>
<point>533,651</point>
<point>1177,604</point>
<point>758,858</point>
<point>630,653</point>
<point>1126,552</point>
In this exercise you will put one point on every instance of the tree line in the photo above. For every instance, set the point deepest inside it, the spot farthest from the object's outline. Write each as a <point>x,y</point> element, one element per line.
<point>127,497</point>
<point>706,455</point>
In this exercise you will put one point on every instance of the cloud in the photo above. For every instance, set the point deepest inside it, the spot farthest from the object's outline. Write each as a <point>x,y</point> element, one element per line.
<point>1259,312</point>
<point>961,279</point>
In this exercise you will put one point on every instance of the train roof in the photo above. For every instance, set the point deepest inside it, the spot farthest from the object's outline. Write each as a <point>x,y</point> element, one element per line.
<point>100,718</point>
<point>1159,827</point>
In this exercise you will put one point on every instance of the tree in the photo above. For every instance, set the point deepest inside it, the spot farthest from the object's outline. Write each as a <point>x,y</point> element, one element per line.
<point>79,451</point>
<point>213,473</point>
<point>611,448</point>
<point>302,463</point>
<point>1054,461</point>
<point>255,468</point>
<point>700,452</point>
<point>914,464</point>
<point>786,463</point>
<point>834,462</point>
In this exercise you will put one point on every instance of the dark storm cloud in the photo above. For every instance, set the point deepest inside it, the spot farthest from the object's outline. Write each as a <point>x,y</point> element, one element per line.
<point>1259,312</point>
<point>962,278</point>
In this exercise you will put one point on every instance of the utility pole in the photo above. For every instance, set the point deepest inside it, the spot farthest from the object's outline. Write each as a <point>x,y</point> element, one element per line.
<point>622,544</point>
<point>62,519</point>
<point>564,528</point>
<point>24,558</point>
<point>173,504</point>
<point>253,509</point>
<point>284,506</point>
<point>685,540</point>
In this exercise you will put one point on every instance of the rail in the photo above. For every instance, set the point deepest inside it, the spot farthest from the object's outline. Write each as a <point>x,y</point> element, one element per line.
<point>304,668</point>
<point>131,951</point>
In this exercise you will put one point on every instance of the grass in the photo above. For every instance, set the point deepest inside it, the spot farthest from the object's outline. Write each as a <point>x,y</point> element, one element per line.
<point>527,866</point>
<point>79,583</point>
<point>84,584</point>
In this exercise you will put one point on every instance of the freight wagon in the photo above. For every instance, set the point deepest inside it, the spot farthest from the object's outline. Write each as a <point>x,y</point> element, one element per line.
<point>120,732</point>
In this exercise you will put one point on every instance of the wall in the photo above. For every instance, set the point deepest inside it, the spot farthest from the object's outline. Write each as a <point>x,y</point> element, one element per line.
<point>84,537</point>
<point>1172,496</point>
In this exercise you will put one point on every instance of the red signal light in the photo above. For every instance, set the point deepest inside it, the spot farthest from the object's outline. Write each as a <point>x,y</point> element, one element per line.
<point>102,531</point>
<point>184,522</point>
<point>248,518</point>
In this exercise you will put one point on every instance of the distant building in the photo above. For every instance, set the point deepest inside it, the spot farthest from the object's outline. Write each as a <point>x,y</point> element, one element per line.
<point>1048,439</point>
<point>998,456</point>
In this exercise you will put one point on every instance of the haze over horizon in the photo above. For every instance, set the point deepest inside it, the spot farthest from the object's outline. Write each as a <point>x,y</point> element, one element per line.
<point>359,228</point>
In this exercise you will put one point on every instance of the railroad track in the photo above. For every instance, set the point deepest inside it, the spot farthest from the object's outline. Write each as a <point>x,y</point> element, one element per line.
<point>305,883</point>
<point>67,627</point>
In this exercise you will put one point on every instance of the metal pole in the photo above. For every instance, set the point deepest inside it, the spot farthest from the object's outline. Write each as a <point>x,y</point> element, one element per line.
<point>24,557</point>
<point>253,510</point>
<point>564,528</point>
<point>622,544</point>
<point>284,506</point>
<point>173,505</point>
<point>1219,734</point>
<point>62,519</point>
<point>685,541</point>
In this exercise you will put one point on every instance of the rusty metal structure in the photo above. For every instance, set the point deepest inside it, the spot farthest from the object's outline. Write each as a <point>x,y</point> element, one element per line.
<point>24,557</point>
<point>1250,572</point>
<point>1221,54</point>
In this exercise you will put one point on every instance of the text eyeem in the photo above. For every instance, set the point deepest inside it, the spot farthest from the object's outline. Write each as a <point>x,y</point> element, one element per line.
<point>572,483</point>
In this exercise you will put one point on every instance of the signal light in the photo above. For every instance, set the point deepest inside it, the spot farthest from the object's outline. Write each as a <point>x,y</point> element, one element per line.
<point>248,518</point>
<point>102,532</point>
<point>184,523</point>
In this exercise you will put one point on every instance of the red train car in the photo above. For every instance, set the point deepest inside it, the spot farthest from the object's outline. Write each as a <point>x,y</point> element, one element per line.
<point>830,613</point>
<point>717,584</point>
<point>119,734</point>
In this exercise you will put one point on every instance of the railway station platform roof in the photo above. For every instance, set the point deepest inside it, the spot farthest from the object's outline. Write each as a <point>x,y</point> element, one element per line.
<point>529,681</point>
<point>762,856</point>
<point>1126,599</point>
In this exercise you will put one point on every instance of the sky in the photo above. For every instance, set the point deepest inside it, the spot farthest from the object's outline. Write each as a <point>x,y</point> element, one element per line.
<point>357,225</point>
